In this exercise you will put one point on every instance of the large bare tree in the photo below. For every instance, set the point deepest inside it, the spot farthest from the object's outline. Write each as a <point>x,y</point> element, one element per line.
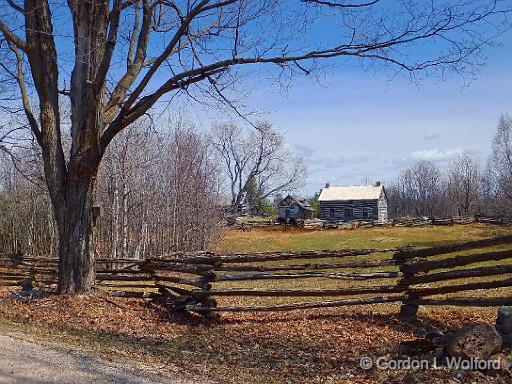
<point>256,161</point>
<point>114,59</point>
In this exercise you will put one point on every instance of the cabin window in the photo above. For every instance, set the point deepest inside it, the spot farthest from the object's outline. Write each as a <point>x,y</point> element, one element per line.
<point>287,213</point>
<point>365,212</point>
<point>331,212</point>
<point>349,212</point>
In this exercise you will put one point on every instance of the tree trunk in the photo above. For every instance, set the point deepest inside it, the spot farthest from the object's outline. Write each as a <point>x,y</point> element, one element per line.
<point>76,243</point>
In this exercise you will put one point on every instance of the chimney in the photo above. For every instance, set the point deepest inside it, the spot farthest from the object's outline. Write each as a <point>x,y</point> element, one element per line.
<point>377,183</point>
<point>327,185</point>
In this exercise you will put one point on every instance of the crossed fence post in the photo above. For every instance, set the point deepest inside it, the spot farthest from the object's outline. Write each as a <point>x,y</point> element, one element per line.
<point>409,308</point>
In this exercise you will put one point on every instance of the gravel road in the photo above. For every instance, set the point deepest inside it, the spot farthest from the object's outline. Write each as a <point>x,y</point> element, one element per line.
<point>26,361</point>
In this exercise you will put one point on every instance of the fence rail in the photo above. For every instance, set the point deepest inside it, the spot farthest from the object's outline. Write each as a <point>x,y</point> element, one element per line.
<point>196,282</point>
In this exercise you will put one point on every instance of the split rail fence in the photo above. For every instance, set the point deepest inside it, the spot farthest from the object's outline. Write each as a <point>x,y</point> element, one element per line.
<point>398,222</point>
<point>208,283</point>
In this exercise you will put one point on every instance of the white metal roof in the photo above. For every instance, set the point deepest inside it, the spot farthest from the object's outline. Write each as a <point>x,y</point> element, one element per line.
<point>355,192</point>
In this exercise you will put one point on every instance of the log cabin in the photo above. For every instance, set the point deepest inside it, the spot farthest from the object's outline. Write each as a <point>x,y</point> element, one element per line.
<point>354,203</point>
<point>293,208</point>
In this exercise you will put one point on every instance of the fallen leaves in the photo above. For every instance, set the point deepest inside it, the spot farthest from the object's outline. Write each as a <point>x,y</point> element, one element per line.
<point>305,346</point>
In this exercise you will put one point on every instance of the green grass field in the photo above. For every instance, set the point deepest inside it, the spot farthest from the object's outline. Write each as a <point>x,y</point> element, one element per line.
<point>291,239</point>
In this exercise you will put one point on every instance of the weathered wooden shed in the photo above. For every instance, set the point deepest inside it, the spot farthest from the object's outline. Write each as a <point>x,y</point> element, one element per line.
<point>354,203</point>
<point>294,208</point>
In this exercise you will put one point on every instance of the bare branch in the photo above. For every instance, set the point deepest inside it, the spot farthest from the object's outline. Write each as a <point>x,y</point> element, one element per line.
<point>11,37</point>
<point>24,96</point>
<point>340,4</point>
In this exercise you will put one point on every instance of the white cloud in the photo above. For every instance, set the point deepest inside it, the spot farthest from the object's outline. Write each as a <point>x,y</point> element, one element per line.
<point>437,154</point>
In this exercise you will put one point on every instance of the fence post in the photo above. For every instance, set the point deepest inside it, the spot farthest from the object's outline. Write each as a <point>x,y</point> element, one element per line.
<point>409,308</point>
<point>191,301</point>
<point>207,301</point>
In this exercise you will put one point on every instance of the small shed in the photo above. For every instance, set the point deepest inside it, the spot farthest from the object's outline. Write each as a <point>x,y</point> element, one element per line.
<point>292,208</point>
<point>354,203</point>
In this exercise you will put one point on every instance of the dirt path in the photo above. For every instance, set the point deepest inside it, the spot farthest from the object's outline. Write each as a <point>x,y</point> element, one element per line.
<point>24,361</point>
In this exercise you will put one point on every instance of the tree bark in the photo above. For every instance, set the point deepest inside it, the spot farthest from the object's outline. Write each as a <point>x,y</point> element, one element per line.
<point>93,50</point>
<point>76,240</point>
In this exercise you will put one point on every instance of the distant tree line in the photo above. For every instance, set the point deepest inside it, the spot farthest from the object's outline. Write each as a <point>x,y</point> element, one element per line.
<point>161,187</point>
<point>26,218</point>
<point>465,188</point>
<point>158,191</point>
<point>257,166</point>
<point>164,189</point>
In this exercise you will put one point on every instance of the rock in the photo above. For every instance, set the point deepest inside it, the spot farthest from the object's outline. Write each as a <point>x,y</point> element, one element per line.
<point>24,295</point>
<point>439,339</point>
<point>28,295</point>
<point>432,335</point>
<point>415,347</point>
<point>26,285</point>
<point>409,312</point>
<point>211,315</point>
<point>474,340</point>
<point>504,324</point>
<point>459,376</point>
<point>422,309</point>
<point>36,293</point>
<point>180,303</point>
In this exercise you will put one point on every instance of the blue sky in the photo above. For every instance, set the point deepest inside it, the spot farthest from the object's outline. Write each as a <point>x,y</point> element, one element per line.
<point>355,126</point>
